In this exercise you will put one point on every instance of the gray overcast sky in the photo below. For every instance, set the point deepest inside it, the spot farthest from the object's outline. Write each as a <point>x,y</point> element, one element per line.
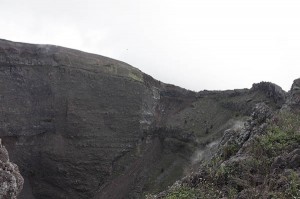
<point>196,44</point>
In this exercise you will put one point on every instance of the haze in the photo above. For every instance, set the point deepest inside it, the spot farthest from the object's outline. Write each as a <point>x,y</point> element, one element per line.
<point>195,44</point>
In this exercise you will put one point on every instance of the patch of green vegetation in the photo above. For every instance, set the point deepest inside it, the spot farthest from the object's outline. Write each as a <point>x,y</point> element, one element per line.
<point>205,191</point>
<point>183,193</point>
<point>135,76</point>
<point>215,161</point>
<point>282,133</point>
<point>293,190</point>
<point>257,165</point>
<point>277,140</point>
<point>229,150</point>
<point>222,173</point>
<point>232,193</point>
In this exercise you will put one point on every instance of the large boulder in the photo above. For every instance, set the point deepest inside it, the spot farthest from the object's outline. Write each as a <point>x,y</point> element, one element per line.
<point>11,181</point>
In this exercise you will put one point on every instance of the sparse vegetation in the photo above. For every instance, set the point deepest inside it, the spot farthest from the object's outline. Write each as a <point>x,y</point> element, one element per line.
<point>252,175</point>
<point>282,135</point>
<point>293,190</point>
<point>229,150</point>
<point>135,76</point>
<point>183,193</point>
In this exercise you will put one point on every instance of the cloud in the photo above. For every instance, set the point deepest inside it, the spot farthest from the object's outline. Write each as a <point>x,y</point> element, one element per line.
<point>195,44</point>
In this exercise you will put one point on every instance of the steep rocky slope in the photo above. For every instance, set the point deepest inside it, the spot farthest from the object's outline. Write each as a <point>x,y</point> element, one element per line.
<point>81,125</point>
<point>259,160</point>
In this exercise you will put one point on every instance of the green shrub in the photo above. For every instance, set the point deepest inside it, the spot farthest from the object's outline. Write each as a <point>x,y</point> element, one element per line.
<point>293,191</point>
<point>229,150</point>
<point>283,132</point>
<point>182,193</point>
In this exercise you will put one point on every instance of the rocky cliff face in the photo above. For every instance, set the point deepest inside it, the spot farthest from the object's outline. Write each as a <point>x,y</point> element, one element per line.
<point>81,125</point>
<point>70,117</point>
<point>11,181</point>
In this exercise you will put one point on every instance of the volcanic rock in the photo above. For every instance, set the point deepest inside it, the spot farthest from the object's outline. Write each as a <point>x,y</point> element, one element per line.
<point>11,181</point>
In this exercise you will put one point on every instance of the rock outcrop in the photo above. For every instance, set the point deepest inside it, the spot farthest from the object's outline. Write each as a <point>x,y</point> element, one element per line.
<point>272,91</point>
<point>294,96</point>
<point>11,181</point>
